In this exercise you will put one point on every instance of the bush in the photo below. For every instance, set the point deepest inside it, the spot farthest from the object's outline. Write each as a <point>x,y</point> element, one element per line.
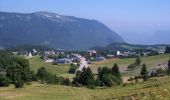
<point>144,72</point>
<point>76,83</point>
<point>130,79</point>
<point>19,84</point>
<point>138,61</point>
<point>73,69</point>
<point>61,80</point>
<point>42,74</point>
<point>78,73</point>
<point>64,81</point>
<point>33,76</point>
<point>91,84</point>
<point>98,82</point>
<point>67,82</point>
<point>110,80</point>
<point>167,49</point>
<point>131,67</point>
<point>52,79</point>
<point>4,81</point>
<point>84,78</point>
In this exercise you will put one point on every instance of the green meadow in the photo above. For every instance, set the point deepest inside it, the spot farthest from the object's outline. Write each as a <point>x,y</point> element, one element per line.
<point>153,89</point>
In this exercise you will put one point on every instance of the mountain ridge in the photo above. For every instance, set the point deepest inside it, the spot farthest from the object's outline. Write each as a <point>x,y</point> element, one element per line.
<point>55,30</point>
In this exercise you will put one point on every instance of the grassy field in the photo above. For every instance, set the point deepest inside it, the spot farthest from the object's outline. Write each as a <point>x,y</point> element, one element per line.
<point>62,70</point>
<point>36,62</point>
<point>151,62</point>
<point>154,89</point>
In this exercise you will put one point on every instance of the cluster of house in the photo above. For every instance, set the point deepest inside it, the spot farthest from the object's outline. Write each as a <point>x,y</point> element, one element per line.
<point>53,56</point>
<point>28,54</point>
<point>131,53</point>
<point>72,58</point>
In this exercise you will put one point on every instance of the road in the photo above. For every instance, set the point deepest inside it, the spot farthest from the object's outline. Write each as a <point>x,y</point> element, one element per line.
<point>83,63</point>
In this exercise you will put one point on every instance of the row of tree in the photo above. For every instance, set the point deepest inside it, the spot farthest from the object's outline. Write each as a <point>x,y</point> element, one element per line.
<point>105,77</point>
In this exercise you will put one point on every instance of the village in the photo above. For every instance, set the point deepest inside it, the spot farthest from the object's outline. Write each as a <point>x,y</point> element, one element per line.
<point>85,58</point>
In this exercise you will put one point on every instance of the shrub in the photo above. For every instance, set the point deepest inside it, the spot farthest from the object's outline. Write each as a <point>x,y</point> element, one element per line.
<point>73,68</point>
<point>64,81</point>
<point>33,76</point>
<point>91,84</point>
<point>168,70</point>
<point>144,72</point>
<point>98,82</point>
<point>19,84</point>
<point>42,74</point>
<point>76,83</point>
<point>110,80</point>
<point>138,61</point>
<point>84,78</point>
<point>61,80</point>
<point>131,67</point>
<point>52,79</point>
<point>4,81</point>
<point>130,79</point>
<point>115,71</point>
<point>67,82</point>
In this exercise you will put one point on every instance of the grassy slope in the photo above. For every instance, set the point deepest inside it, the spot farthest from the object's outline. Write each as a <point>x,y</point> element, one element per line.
<point>158,88</point>
<point>155,89</point>
<point>151,62</point>
<point>36,62</point>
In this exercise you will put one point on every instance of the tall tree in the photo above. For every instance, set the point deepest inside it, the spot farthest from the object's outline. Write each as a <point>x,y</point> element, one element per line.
<point>167,49</point>
<point>138,61</point>
<point>42,74</point>
<point>168,70</point>
<point>115,71</point>
<point>144,72</point>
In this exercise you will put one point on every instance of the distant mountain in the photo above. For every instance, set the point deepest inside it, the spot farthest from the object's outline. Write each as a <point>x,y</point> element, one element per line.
<point>158,37</point>
<point>161,37</point>
<point>130,47</point>
<point>54,30</point>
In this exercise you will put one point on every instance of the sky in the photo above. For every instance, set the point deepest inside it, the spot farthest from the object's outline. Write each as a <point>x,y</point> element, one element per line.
<point>132,19</point>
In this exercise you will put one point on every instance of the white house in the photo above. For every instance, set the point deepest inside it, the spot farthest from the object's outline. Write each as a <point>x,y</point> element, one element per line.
<point>118,53</point>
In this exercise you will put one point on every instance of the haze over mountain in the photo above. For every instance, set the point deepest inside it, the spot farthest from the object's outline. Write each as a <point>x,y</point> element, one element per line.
<point>50,29</point>
<point>158,37</point>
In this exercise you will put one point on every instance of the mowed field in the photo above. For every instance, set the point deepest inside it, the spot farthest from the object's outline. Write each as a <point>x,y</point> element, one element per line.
<point>153,89</point>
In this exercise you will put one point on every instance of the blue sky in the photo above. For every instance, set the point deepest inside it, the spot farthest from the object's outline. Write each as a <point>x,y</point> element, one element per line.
<point>129,18</point>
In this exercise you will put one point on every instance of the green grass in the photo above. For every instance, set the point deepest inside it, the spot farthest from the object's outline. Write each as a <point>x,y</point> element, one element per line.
<point>36,62</point>
<point>62,70</point>
<point>154,89</point>
<point>151,62</point>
